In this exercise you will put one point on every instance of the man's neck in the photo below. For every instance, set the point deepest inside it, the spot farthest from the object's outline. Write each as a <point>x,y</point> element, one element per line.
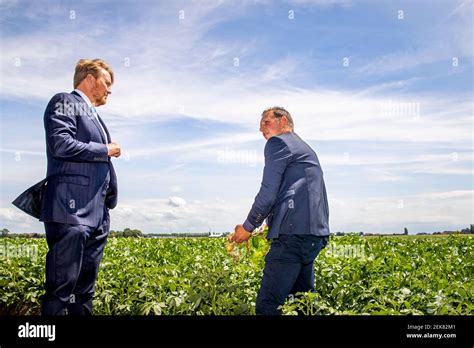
<point>286,131</point>
<point>88,95</point>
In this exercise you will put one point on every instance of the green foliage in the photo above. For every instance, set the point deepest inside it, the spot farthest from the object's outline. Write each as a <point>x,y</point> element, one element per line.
<point>393,276</point>
<point>196,276</point>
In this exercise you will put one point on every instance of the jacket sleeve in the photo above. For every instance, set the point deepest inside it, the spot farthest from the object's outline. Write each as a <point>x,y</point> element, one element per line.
<point>277,157</point>
<point>60,124</point>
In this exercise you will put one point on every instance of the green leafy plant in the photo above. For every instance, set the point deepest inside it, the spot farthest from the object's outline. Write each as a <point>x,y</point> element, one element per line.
<point>197,276</point>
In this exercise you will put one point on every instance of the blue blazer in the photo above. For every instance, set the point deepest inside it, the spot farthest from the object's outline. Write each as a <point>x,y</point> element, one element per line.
<point>80,178</point>
<point>292,195</point>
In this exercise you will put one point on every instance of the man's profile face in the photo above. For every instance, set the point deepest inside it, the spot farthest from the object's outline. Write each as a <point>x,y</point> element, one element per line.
<point>270,125</point>
<point>101,88</point>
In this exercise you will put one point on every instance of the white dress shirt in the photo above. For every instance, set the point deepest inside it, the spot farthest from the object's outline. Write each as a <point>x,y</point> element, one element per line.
<point>87,100</point>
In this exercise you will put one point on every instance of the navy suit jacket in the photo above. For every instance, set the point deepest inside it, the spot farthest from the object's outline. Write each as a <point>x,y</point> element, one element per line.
<point>292,195</point>
<point>80,178</point>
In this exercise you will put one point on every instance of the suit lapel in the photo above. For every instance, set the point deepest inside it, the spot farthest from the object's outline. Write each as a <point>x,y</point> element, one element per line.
<point>91,117</point>
<point>109,140</point>
<point>94,120</point>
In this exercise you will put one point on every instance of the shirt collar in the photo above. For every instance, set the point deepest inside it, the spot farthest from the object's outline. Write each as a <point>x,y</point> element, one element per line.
<point>86,99</point>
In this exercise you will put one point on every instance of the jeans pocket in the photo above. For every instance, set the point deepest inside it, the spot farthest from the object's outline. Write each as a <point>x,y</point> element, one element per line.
<point>275,251</point>
<point>325,241</point>
<point>315,247</point>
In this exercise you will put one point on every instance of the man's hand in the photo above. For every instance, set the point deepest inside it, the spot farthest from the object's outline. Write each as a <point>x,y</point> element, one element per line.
<point>114,150</point>
<point>240,235</point>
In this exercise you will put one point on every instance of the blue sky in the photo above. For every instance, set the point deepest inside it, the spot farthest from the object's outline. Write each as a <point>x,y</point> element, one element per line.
<point>384,97</point>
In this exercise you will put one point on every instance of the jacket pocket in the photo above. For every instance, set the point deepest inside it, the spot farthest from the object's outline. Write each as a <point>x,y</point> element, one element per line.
<point>283,196</point>
<point>72,192</point>
<point>287,212</point>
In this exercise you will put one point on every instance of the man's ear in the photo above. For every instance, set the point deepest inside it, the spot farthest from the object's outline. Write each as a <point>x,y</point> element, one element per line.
<point>90,79</point>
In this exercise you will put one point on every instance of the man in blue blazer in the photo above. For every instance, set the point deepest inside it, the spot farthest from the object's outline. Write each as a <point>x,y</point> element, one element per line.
<point>293,200</point>
<point>80,188</point>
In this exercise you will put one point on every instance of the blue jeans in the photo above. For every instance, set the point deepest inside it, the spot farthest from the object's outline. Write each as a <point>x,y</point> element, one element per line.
<point>288,269</point>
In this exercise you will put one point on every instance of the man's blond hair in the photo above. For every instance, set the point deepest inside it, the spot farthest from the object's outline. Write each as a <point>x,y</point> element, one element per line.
<point>93,67</point>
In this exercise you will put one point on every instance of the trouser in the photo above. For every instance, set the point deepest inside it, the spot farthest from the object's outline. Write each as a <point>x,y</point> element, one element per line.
<point>72,265</point>
<point>288,269</point>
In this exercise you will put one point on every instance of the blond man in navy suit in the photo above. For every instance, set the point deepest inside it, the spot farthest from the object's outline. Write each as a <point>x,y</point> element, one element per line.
<point>81,188</point>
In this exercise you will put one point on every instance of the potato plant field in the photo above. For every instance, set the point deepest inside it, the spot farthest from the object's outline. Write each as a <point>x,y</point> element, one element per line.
<point>394,275</point>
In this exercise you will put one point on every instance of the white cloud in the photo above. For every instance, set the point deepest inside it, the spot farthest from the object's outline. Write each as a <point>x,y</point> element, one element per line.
<point>157,215</point>
<point>206,86</point>
<point>385,214</point>
<point>15,216</point>
<point>177,70</point>
<point>176,202</point>
<point>323,3</point>
<point>280,70</point>
<point>418,212</point>
<point>176,188</point>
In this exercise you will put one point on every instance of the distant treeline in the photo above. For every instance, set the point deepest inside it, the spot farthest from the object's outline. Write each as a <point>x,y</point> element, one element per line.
<point>126,233</point>
<point>134,233</point>
<point>467,230</point>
